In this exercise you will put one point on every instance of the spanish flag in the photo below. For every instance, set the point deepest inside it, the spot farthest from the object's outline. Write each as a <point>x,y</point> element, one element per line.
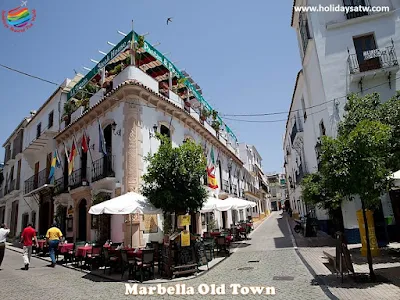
<point>212,181</point>
<point>71,158</point>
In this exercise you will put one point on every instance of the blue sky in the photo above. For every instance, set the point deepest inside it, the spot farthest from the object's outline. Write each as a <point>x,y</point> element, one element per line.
<point>243,54</point>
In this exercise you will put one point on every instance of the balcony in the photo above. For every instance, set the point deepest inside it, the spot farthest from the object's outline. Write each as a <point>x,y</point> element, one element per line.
<point>235,190</point>
<point>103,168</point>
<point>60,187</point>
<point>373,62</point>
<point>355,3</point>
<point>225,186</point>
<point>297,132</point>
<point>41,141</point>
<point>300,174</point>
<point>37,182</point>
<point>12,186</point>
<point>1,193</point>
<point>77,179</point>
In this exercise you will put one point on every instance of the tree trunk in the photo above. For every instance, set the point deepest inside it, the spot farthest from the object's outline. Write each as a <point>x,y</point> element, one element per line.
<point>369,255</point>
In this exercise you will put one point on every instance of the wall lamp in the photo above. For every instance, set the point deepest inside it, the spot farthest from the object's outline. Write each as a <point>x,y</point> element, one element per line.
<point>114,127</point>
<point>153,134</point>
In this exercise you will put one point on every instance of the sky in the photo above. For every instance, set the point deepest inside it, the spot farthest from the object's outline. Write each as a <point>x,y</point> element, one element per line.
<point>243,54</point>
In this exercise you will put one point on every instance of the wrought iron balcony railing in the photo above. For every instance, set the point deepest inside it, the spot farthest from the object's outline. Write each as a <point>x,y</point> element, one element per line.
<point>36,181</point>
<point>1,193</point>
<point>300,174</point>
<point>295,130</point>
<point>103,167</point>
<point>60,186</point>
<point>234,190</point>
<point>373,60</point>
<point>352,13</point>
<point>75,179</point>
<point>12,186</point>
<point>225,186</point>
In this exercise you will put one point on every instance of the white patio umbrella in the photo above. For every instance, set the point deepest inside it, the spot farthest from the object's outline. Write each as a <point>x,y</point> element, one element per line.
<point>125,204</point>
<point>237,203</point>
<point>215,204</point>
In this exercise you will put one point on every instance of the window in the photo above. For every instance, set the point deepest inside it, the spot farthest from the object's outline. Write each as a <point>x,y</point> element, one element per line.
<point>362,44</point>
<point>164,130</point>
<point>38,130</point>
<point>304,31</point>
<point>33,219</point>
<point>355,13</point>
<point>322,128</point>
<point>51,118</point>
<point>303,107</point>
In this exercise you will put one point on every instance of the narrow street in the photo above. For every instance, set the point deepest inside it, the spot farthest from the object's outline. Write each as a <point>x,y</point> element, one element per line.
<point>268,259</point>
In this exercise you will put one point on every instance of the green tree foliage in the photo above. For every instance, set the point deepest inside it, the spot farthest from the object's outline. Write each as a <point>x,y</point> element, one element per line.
<point>173,178</point>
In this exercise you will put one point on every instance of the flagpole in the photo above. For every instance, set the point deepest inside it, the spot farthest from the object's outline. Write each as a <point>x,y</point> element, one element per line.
<point>76,145</point>
<point>58,158</point>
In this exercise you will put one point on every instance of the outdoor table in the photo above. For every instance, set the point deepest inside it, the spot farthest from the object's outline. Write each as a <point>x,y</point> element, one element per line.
<point>215,233</point>
<point>65,248</point>
<point>81,251</point>
<point>41,243</point>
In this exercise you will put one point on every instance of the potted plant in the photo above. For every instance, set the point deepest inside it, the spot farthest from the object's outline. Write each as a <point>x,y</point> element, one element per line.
<point>214,114</point>
<point>140,42</point>
<point>68,109</point>
<point>216,125</point>
<point>204,114</point>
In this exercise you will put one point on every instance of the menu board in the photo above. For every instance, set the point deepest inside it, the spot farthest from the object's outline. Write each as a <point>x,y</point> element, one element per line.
<point>184,220</point>
<point>150,223</point>
<point>185,238</point>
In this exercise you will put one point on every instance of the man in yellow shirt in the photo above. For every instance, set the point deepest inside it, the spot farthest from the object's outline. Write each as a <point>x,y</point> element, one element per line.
<point>53,236</point>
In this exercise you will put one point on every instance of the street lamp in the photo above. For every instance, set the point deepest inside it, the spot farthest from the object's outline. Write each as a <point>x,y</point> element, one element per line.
<point>114,127</point>
<point>153,134</point>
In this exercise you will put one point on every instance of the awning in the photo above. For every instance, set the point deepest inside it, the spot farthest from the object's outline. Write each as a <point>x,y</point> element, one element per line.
<point>128,203</point>
<point>238,203</point>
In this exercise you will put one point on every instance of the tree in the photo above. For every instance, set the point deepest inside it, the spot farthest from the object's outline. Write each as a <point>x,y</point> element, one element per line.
<point>173,178</point>
<point>355,163</point>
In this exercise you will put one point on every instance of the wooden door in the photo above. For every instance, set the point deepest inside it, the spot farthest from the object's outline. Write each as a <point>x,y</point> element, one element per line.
<point>366,43</point>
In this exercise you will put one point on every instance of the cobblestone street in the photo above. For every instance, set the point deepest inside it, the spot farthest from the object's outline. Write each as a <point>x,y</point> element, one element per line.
<point>268,259</point>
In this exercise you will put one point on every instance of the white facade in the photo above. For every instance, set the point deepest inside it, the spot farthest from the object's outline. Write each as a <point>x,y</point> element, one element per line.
<point>332,46</point>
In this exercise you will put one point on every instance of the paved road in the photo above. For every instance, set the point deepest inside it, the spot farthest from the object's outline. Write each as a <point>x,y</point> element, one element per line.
<point>270,246</point>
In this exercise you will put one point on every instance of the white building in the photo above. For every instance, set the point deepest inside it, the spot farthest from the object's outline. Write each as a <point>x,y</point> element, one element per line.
<point>125,104</point>
<point>254,180</point>
<point>338,57</point>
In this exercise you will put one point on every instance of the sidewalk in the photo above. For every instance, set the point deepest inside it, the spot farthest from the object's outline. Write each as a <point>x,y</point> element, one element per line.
<point>387,267</point>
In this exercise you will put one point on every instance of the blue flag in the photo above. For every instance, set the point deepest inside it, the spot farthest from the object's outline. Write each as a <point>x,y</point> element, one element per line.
<point>102,142</point>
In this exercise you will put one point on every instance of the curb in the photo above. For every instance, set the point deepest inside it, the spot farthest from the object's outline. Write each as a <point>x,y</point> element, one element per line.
<point>291,234</point>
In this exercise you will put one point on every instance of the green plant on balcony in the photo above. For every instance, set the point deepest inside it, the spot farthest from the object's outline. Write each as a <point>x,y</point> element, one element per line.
<point>204,114</point>
<point>117,69</point>
<point>127,61</point>
<point>182,81</point>
<point>140,42</point>
<point>216,125</point>
<point>69,108</point>
<point>214,114</point>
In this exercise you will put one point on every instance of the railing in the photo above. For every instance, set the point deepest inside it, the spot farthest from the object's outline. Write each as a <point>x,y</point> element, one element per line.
<point>225,186</point>
<point>295,129</point>
<point>377,59</point>
<point>241,193</point>
<point>59,186</point>
<point>102,168</point>
<point>234,190</point>
<point>7,156</point>
<point>75,179</point>
<point>300,174</point>
<point>352,14</point>
<point>36,181</point>
<point>1,193</point>
<point>12,186</point>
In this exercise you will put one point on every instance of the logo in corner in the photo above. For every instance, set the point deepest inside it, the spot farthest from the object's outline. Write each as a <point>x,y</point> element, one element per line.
<point>19,19</point>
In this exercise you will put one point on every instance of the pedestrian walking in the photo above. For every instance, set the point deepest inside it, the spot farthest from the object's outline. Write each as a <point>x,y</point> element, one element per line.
<point>53,236</point>
<point>4,231</point>
<point>28,234</point>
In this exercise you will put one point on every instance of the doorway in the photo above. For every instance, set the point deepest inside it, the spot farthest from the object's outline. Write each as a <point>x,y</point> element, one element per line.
<point>44,213</point>
<point>362,44</point>
<point>224,219</point>
<point>83,165</point>
<point>82,218</point>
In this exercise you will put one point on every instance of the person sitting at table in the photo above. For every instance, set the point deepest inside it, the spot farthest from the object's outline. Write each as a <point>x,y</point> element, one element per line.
<point>54,236</point>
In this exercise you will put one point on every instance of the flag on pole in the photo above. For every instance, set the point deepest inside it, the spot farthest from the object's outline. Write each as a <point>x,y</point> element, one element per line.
<point>85,147</point>
<point>66,153</point>
<point>55,163</point>
<point>102,142</point>
<point>212,181</point>
<point>71,158</point>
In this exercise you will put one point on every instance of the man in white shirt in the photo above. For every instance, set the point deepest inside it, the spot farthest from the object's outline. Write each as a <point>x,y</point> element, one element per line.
<point>4,231</point>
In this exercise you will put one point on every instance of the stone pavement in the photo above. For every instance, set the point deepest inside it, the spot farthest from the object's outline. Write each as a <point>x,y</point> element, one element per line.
<point>267,259</point>
<point>310,250</point>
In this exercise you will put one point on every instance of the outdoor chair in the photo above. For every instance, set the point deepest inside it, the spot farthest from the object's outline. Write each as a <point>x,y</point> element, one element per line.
<point>222,245</point>
<point>109,260</point>
<point>93,256</point>
<point>126,264</point>
<point>145,263</point>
